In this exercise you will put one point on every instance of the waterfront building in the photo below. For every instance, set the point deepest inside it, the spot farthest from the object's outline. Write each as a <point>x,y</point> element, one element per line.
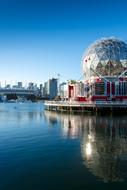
<point>63,90</point>
<point>76,90</point>
<point>105,73</point>
<point>104,87</point>
<point>105,70</point>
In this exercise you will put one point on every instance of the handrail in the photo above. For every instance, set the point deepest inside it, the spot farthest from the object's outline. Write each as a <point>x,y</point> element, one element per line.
<point>87,103</point>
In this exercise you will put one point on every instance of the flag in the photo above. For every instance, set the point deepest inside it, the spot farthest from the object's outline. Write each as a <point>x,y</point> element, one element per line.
<point>86,60</point>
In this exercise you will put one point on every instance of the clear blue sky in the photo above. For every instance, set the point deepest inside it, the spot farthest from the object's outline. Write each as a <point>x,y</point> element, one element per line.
<point>41,38</point>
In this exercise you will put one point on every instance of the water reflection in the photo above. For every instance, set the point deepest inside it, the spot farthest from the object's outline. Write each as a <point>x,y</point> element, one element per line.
<point>21,113</point>
<point>71,125</point>
<point>103,142</point>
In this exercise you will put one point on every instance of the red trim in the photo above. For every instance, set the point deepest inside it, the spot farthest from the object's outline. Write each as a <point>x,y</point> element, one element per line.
<point>94,98</point>
<point>108,88</point>
<point>82,99</point>
<point>113,88</point>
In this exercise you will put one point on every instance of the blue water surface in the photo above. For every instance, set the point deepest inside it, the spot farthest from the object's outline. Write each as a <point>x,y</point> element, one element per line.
<point>43,150</point>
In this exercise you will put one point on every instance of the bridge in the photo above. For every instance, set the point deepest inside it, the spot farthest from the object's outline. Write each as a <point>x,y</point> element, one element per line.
<point>4,91</point>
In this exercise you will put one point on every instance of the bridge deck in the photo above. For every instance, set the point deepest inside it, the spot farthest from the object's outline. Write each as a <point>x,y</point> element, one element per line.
<point>4,91</point>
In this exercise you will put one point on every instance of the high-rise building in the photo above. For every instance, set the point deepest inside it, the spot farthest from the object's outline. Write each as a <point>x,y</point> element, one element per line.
<point>8,86</point>
<point>31,86</point>
<point>45,90</point>
<point>50,88</point>
<point>41,90</point>
<point>19,85</point>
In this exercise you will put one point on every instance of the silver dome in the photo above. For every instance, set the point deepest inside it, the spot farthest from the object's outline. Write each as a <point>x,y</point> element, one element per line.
<point>107,57</point>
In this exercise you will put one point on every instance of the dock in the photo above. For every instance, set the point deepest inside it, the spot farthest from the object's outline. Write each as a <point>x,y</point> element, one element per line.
<point>82,107</point>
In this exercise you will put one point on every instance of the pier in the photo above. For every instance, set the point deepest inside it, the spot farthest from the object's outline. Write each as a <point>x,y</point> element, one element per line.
<point>82,107</point>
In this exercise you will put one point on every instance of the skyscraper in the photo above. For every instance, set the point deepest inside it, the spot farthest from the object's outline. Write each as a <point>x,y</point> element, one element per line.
<point>50,88</point>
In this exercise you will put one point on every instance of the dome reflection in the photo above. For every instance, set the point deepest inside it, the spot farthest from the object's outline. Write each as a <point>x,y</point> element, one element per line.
<point>108,148</point>
<point>103,142</point>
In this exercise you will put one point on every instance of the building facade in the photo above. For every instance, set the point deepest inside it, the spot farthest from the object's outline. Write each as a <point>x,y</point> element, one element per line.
<point>50,88</point>
<point>105,70</point>
<point>63,90</point>
<point>105,73</point>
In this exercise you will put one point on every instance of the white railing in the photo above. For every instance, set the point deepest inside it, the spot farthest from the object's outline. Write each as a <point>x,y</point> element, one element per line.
<point>85,103</point>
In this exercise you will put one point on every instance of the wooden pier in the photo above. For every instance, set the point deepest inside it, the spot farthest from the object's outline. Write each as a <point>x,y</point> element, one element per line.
<point>82,107</point>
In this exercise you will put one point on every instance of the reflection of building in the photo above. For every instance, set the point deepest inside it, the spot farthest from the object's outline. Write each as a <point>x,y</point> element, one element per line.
<point>70,123</point>
<point>103,142</point>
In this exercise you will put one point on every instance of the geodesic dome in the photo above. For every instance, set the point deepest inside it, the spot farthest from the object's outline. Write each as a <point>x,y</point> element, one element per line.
<point>106,57</point>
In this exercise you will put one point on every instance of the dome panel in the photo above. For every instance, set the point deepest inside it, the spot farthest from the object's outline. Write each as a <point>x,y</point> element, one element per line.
<point>107,57</point>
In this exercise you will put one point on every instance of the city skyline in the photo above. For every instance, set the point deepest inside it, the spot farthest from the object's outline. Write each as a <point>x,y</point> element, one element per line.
<point>43,38</point>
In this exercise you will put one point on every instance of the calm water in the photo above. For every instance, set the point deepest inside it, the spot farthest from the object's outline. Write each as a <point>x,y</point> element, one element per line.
<point>42,150</point>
